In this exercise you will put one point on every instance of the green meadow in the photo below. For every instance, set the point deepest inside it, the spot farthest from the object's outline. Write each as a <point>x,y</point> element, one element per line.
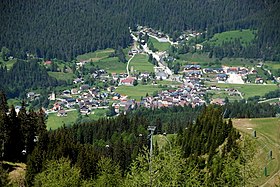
<point>62,75</point>
<point>161,46</point>
<point>267,139</point>
<point>245,37</point>
<point>250,90</point>
<point>140,63</point>
<point>136,92</point>
<point>54,121</point>
<point>95,56</point>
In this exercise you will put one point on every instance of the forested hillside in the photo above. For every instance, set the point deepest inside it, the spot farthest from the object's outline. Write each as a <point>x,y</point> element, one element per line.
<point>65,29</point>
<point>25,75</point>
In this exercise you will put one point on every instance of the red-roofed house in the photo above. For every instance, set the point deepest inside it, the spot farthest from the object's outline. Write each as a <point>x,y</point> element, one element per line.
<point>48,62</point>
<point>128,81</point>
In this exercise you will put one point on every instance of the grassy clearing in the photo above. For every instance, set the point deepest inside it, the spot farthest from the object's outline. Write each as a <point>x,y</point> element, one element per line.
<point>17,173</point>
<point>272,65</point>
<point>111,65</point>
<point>223,94</point>
<point>54,122</point>
<point>140,63</point>
<point>245,36</point>
<point>62,75</point>
<point>98,113</point>
<point>161,46</point>
<point>250,90</point>
<point>268,138</point>
<point>95,56</point>
<point>136,92</point>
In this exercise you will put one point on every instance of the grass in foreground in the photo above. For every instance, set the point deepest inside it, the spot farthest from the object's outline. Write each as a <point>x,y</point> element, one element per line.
<point>268,138</point>
<point>140,63</point>
<point>54,121</point>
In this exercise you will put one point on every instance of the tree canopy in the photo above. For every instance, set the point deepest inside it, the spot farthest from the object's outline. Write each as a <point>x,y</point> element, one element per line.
<point>65,29</point>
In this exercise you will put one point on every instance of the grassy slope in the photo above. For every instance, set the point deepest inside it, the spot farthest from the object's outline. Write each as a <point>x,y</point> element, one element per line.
<point>54,122</point>
<point>62,76</point>
<point>94,56</point>
<point>245,36</point>
<point>98,113</point>
<point>140,63</point>
<point>161,46</point>
<point>268,138</point>
<point>111,65</point>
<point>273,65</point>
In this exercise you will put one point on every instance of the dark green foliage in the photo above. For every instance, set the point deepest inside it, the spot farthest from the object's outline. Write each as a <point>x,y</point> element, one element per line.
<point>3,102</point>
<point>57,29</point>
<point>3,176</point>
<point>244,109</point>
<point>120,54</point>
<point>20,132</point>
<point>25,75</point>
<point>207,142</point>
<point>14,144</point>
<point>205,138</point>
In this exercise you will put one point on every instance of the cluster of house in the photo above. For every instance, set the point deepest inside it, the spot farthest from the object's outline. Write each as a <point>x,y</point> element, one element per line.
<point>190,93</point>
<point>164,38</point>
<point>85,98</point>
<point>192,72</point>
<point>153,32</point>
<point>222,74</point>
<point>97,74</point>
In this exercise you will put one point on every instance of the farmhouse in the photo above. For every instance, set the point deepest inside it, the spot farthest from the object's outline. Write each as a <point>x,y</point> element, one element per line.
<point>127,81</point>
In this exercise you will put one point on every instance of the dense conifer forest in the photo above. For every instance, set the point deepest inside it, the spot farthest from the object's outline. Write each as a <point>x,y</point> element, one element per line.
<point>25,75</point>
<point>65,29</point>
<point>202,147</point>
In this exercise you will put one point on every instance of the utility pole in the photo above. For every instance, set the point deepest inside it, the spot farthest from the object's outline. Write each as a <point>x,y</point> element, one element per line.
<point>151,129</point>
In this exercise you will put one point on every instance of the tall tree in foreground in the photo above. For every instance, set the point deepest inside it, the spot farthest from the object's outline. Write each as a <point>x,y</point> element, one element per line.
<point>58,173</point>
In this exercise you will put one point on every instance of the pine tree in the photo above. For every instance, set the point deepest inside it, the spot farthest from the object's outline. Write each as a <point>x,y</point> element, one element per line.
<point>15,143</point>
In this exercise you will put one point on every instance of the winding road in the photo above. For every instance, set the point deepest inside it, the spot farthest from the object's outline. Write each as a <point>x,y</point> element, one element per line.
<point>155,55</point>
